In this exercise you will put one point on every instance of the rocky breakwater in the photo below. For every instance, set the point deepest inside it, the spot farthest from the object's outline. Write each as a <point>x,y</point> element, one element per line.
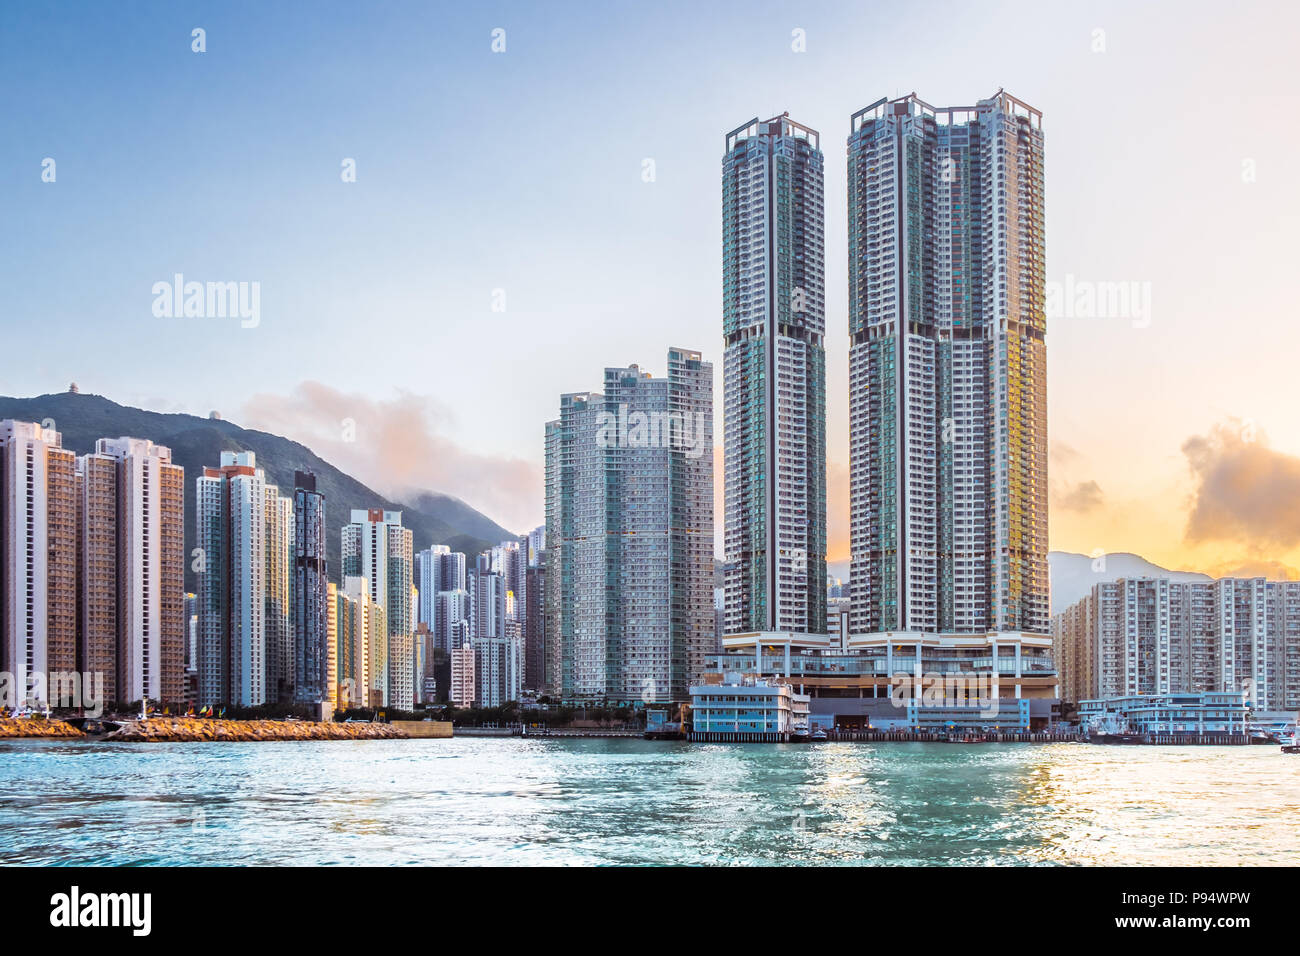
<point>13,727</point>
<point>186,729</point>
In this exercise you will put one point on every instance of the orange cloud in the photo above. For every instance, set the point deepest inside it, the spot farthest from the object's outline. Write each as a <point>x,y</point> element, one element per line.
<point>1245,492</point>
<point>1255,568</point>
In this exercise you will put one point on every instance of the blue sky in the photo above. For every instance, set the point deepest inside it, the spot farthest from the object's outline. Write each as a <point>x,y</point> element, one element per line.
<point>522,171</point>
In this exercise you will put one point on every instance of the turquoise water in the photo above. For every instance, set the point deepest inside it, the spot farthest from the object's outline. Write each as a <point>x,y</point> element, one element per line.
<point>516,801</point>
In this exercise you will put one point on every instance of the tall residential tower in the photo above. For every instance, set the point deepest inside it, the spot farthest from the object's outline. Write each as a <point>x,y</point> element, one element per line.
<point>773,324</point>
<point>244,530</point>
<point>947,368</point>
<point>376,547</point>
<point>131,569</point>
<point>38,558</point>
<point>629,535</point>
<point>311,642</point>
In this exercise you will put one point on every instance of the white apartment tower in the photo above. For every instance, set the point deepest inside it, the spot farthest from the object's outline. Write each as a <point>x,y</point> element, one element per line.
<point>1159,636</point>
<point>774,377</point>
<point>437,569</point>
<point>38,567</point>
<point>377,548</point>
<point>245,536</point>
<point>132,568</point>
<point>947,368</point>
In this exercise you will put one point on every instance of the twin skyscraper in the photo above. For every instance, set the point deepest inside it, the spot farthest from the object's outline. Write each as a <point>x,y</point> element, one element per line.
<point>947,431</point>
<point>947,371</point>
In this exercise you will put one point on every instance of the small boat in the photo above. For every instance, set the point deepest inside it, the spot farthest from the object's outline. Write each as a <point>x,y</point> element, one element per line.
<point>94,726</point>
<point>1105,738</point>
<point>1291,748</point>
<point>817,734</point>
<point>1109,731</point>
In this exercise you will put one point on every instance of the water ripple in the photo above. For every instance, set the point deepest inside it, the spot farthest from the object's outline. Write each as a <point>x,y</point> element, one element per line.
<point>517,801</point>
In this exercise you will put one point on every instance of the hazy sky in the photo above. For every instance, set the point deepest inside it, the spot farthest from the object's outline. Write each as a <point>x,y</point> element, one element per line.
<point>1170,142</point>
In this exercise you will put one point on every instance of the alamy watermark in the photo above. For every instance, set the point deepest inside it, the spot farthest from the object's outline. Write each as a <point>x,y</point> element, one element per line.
<point>978,690</point>
<point>55,689</point>
<point>679,431</point>
<point>208,300</point>
<point>1088,299</point>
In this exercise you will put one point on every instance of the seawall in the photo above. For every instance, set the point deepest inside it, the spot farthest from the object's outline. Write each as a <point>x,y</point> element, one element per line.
<point>14,727</point>
<point>440,729</point>
<point>188,729</point>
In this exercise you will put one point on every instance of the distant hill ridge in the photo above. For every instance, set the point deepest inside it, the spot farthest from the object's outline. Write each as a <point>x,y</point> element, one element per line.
<point>197,443</point>
<point>1072,574</point>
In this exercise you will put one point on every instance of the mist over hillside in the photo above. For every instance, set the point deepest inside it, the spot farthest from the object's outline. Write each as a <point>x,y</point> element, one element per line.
<point>197,443</point>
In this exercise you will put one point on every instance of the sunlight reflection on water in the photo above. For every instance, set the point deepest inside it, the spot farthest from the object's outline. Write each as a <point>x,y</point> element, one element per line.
<point>515,801</point>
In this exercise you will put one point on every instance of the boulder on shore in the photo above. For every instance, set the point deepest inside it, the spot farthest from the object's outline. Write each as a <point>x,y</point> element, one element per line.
<point>186,729</point>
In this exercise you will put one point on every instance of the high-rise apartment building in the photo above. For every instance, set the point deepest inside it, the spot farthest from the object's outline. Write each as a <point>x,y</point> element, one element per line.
<point>498,667</point>
<point>534,543</point>
<point>1159,636</point>
<point>38,558</point>
<point>533,603</point>
<point>437,569</point>
<point>488,619</point>
<point>230,503</point>
<point>361,629</point>
<point>509,559</point>
<point>774,377</point>
<point>535,625</point>
<point>280,563</point>
<point>487,591</point>
<point>428,663</point>
<point>629,532</point>
<point>947,368</point>
<point>245,535</point>
<point>444,611</point>
<point>191,633</point>
<point>311,641</point>
<point>332,645</point>
<point>97,556</point>
<point>462,692</point>
<point>454,618</point>
<point>92,568</point>
<point>377,548</point>
<point>131,569</point>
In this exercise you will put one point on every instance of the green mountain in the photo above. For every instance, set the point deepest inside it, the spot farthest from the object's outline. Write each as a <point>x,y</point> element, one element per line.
<point>197,443</point>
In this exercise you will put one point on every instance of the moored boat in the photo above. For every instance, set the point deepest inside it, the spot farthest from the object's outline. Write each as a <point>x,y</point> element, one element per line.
<point>1109,731</point>
<point>1117,738</point>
